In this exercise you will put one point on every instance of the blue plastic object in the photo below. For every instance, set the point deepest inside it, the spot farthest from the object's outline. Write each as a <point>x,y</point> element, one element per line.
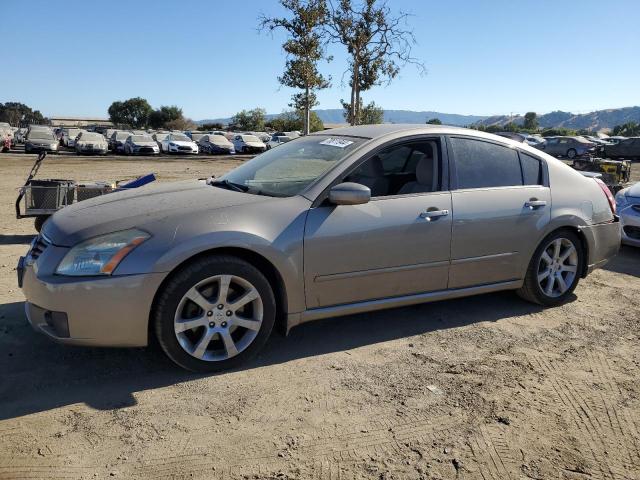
<point>138,182</point>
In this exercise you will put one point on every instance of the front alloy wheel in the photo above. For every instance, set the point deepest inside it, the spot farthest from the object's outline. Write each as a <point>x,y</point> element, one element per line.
<point>214,313</point>
<point>218,318</point>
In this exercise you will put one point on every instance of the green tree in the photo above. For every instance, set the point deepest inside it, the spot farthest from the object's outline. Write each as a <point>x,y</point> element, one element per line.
<point>559,131</point>
<point>304,49</point>
<point>629,129</point>
<point>377,43</point>
<point>294,120</point>
<point>163,115</point>
<point>434,121</point>
<point>250,119</point>
<point>366,114</point>
<point>20,115</point>
<point>531,121</point>
<point>210,126</point>
<point>133,112</point>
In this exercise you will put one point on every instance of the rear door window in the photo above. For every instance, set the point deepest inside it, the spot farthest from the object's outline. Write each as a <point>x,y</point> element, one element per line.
<point>481,164</point>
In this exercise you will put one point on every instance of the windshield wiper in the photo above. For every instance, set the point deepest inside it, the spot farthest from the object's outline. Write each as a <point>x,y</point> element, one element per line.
<point>230,185</point>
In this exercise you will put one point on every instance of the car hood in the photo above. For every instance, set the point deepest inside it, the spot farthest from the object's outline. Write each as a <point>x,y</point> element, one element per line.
<point>183,143</point>
<point>150,208</point>
<point>254,144</point>
<point>145,144</point>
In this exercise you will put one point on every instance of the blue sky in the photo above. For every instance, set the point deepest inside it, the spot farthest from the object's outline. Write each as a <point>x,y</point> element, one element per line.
<point>482,57</point>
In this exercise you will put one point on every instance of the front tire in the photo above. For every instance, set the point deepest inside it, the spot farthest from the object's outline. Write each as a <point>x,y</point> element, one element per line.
<point>214,314</point>
<point>571,153</point>
<point>554,270</point>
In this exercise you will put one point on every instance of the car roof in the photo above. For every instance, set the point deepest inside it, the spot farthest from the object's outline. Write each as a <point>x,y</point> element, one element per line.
<point>379,130</point>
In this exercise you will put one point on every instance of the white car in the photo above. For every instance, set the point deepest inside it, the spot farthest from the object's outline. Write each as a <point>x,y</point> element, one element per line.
<point>248,144</point>
<point>178,143</point>
<point>69,136</point>
<point>91,143</point>
<point>140,145</point>
<point>277,140</point>
<point>628,206</point>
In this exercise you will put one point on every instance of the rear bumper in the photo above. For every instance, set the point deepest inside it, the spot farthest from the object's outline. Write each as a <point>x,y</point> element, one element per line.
<point>603,242</point>
<point>107,312</point>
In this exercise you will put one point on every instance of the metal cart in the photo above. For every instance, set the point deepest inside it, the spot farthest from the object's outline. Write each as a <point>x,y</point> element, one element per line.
<point>42,198</point>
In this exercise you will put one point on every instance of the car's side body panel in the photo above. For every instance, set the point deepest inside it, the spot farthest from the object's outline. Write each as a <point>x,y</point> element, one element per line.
<point>495,233</point>
<point>383,248</point>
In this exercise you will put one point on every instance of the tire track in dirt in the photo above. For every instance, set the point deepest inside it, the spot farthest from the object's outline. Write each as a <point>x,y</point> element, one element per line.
<point>381,438</point>
<point>595,416</point>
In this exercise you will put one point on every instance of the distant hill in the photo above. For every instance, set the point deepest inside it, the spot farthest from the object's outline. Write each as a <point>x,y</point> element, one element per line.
<point>336,115</point>
<point>592,121</point>
<point>597,120</point>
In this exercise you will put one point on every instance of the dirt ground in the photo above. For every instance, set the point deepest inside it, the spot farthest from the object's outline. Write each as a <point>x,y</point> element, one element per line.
<point>488,387</point>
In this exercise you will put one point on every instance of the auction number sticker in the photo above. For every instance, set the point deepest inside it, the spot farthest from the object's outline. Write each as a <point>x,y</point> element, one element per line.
<point>336,142</point>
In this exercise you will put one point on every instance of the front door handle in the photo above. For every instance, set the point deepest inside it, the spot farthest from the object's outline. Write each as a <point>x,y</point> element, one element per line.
<point>533,204</point>
<point>429,215</point>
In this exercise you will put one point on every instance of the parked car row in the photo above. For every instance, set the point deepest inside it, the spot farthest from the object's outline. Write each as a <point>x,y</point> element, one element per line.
<point>571,147</point>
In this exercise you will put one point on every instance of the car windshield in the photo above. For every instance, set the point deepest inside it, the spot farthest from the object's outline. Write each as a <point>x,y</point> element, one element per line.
<point>218,139</point>
<point>180,138</point>
<point>91,136</point>
<point>122,135</point>
<point>141,138</point>
<point>40,135</point>
<point>287,170</point>
<point>74,132</point>
<point>250,138</point>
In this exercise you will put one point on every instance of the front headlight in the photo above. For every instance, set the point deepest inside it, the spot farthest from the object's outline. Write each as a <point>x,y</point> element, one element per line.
<point>100,255</point>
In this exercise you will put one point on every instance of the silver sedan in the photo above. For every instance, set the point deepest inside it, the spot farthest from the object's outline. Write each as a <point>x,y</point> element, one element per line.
<point>334,223</point>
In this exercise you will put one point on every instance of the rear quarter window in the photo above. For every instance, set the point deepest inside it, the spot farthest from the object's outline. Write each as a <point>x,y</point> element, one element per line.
<point>531,169</point>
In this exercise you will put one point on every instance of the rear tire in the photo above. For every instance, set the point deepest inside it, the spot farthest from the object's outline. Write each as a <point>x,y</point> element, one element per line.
<point>554,270</point>
<point>571,153</point>
<point>216,322</point>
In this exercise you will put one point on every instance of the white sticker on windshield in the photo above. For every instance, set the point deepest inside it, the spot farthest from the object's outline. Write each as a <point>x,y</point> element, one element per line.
<point>336,142</point>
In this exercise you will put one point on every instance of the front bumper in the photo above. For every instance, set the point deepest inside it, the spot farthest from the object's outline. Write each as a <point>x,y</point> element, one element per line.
<point>91,311</point>
<point>146,151</point>
<point>630,220</point>
<point>183,150</point>
<point>92,151</point>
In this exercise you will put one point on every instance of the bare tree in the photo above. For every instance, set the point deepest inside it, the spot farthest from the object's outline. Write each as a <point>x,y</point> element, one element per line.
<point>377,41</point>
<point>304,48</point>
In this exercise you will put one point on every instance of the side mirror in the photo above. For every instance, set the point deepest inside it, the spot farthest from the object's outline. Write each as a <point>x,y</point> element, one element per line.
<point>349,193</point>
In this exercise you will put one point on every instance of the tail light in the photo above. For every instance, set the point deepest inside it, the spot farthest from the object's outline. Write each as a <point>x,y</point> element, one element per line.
<point>608,194</point>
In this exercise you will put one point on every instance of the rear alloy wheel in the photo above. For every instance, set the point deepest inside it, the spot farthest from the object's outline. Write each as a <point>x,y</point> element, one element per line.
<point>554,270</point>
<point>571,153</point>
<point>215,314</point>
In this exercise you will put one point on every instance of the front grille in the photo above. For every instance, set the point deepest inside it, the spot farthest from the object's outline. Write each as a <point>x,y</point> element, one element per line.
<point>39,246</point>
<point>187,149</point>
<point>632,232</point>
<point>146,150</point>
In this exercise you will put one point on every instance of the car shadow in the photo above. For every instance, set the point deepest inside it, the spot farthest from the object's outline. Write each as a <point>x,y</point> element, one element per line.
<point>39,375</point>
<point>627,261</point>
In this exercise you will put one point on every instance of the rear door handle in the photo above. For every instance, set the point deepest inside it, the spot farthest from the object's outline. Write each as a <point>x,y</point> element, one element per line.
<point>429,215</point>
<point>533,204</point>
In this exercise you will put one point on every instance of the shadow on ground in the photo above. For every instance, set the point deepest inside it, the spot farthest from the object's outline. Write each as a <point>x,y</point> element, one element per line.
<point>627,261</point>
<point>39,375</point>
